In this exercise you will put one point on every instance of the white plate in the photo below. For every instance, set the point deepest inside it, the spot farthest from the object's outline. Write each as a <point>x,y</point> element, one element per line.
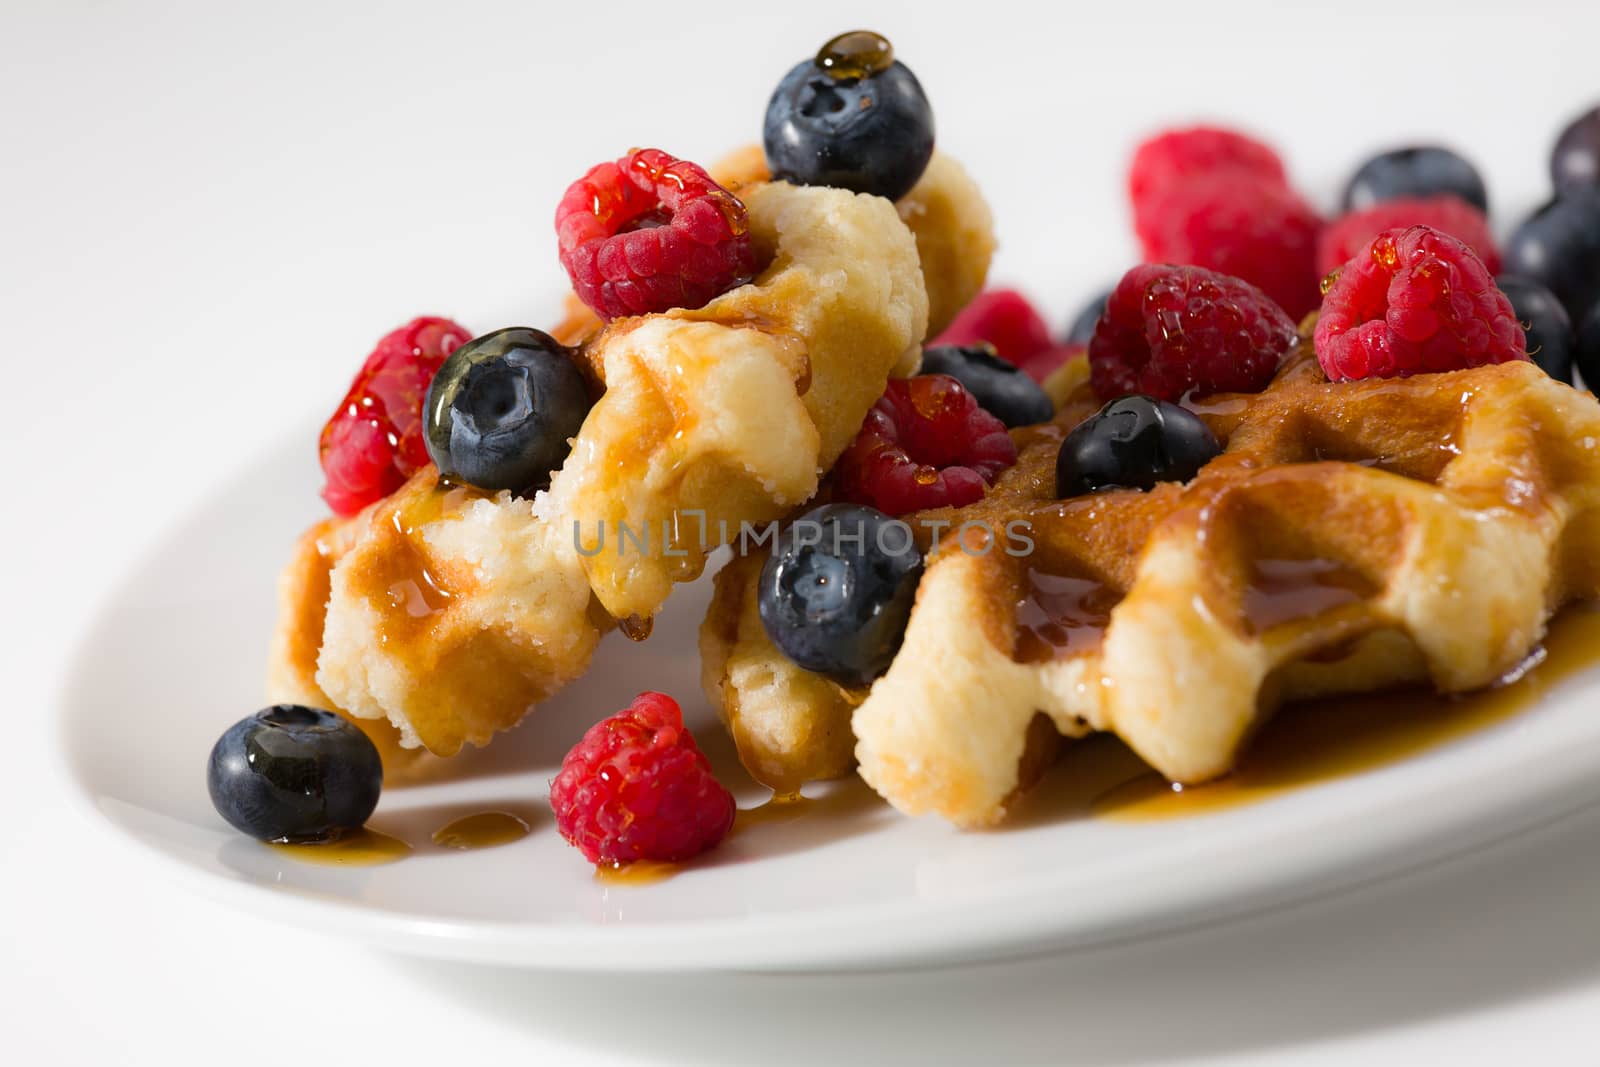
<point>178,656</point>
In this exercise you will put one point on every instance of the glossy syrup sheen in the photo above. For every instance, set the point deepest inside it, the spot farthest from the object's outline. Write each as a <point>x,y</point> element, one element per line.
<point>1327,739</point>
<point>1061,616</point>
<point>483,829</point>
<point>363,848</point>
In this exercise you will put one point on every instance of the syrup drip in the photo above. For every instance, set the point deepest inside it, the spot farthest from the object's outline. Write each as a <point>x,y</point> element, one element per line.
<point>363,848</point>
<point>635,628</point>
<point>484,829</point>
<point>1059,617</point>
<point>854,55</point>
<point>1327,739</point>
<point>782,807</point>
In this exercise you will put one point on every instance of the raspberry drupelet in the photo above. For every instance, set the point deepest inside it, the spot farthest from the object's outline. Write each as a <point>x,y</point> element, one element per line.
<point>636,787</point>
<point>650,232</point>
<point>374,441</point>
<point>1415,301</point>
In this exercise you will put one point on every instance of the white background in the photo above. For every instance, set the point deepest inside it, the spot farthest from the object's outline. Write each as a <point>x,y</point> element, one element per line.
<point>209,212</point>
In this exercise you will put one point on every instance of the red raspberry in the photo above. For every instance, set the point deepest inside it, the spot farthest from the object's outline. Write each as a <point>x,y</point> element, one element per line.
<point>925,444</point>
<point>374,442</point>
<point>637,788</point>
<point>651,232</point>
<point>1005,319</point>
<point>1168,331</point>
<point>1252,229</point>
<point>1041,365</point>
<point>1176,157</point>
<point>1449,214</point>
<point>1415,301</point>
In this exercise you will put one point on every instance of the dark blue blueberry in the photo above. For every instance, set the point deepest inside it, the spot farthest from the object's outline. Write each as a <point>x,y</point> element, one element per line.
<point>1559,247</point>
<point>1421,171</point>
<point>1586,353</point>
<point>1576,158</point>
<point>999,387</point>
<point>1546,322</point>
<point>503,409</point>
<point>1133,443</point>
<point>1082,327</point>
<point>862,124</point>
<point>836,593</point>
<point>290,773</point>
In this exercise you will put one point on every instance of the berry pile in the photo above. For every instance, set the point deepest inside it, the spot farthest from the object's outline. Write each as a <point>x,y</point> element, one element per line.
<point>1410,279</point>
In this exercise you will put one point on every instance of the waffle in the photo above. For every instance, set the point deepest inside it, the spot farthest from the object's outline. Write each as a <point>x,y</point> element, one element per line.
<point>1351,537</point>
<point>450,613</point>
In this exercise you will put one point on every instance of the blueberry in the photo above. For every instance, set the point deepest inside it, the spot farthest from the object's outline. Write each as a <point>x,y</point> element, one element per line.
<point>291,773</point>
<point>1547,323</point>
<point>853,117</point>
<point>1559,246</point>
<point>503,409</point>
<point>999,387</point>
<point>1082,327</point>
<point>836,593</point>
<point>1576,158</point>
<point>1421,171</point>
<point>1133,443</point>
<point>1586,353</point>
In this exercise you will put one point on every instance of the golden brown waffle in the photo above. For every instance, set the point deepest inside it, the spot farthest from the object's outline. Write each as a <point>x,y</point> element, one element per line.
<point>1351,537</point>
<point>451,613</point>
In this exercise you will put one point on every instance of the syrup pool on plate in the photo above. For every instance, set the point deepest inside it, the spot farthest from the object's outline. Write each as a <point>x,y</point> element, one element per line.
<point>1322,740</point>
<point>363,848</point>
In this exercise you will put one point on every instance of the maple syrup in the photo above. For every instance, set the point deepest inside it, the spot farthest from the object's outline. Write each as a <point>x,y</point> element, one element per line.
<point>414,594</point>
<point>1282,590</point>
<point>636,627</point>
<point>1326,739</point>
<point>854,55</point>
<point>363,848</point>
<point>1060,616</point>
<point>639,872</point>
<point>782,807</point>
<point>483,829</point>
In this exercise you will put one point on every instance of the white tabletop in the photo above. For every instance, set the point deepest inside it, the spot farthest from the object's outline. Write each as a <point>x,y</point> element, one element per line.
<point>208,215</point>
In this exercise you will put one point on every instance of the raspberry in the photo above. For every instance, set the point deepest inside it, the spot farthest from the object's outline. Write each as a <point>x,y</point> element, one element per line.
<point>651,232</point>
<point>1041,365</point>
<point>1244,226</point>
<point>374,442</point>
<point>1415,301</point>
<point>1172,159</point>
<point>1168,331</point>
<point>926,443</point>
<point>1449,214</point>
<point>637,788</point>
<point>1005,319</point>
